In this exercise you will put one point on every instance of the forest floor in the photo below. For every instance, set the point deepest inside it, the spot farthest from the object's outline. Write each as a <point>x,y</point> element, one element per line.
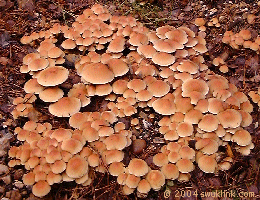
<point>20,17</point>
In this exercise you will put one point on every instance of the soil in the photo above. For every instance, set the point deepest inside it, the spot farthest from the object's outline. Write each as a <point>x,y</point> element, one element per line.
<point>22,17</point>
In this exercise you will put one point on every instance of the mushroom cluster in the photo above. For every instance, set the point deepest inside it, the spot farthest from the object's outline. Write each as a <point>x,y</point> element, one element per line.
<point>24,107</point>
<point>132,69</point>
<point>255,96</point>
<point>242,39</point>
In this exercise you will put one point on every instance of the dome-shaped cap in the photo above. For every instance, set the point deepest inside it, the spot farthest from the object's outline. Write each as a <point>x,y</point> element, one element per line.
<point>38,64</point>
<point>97,73</point>
<point>117,66</point>
<point>158,88</point>
<point>117,45</point>
<point>164,46</point>
<point>143,186</point>
<point>184,129</point>
<point>68,44</point>
<point>197,85</point>
<point>146,50</point>
<point>156,179</point>
<point>30,57</point>
<point>164,106</point>
<point>61,134</point>
<point>163,59</point>
<point>41,188</point>
<point>32,86</point>
<point>188,66</point>
<point>136,84</point>
<point>51,94</point>
<point>52,76</point>
<point>71,145</point>
<point>65,107</point>
<point>207,164</point>
<point>208,123</point>
<point>77,167</point>
<point>116,168</point>
<point>242,137</point>
<point>170,171</point>
<point>177,35</point>
<point>115,141</point>
<point>185,165</point>
<point>138,167</point>
<point>230,118</point>
<point>55,52</point>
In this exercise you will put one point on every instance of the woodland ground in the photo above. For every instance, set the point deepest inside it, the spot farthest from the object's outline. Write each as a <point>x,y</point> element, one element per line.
<point>18,17</point>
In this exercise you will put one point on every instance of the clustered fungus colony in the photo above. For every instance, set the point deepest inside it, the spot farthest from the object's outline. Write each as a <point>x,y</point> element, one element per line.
<point>244,39</point>
<point>133,69</point>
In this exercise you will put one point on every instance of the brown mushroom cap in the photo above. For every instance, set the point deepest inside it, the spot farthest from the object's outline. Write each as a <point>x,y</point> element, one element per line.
<point>207,145</point>
<point>77,167</point>
<point>68,44</point>
<point>136,84</point>
<point>117,45</point>
<point>143,186</point>
<point>156,179</point>
<point>41,188</point>
<point>51,94</point>
<point>199,21</point>
<point>207,164</point>
<point>116,168</point>
<point>118,66</point>
<point>146,50</point>
<point>188,66</point>
<point>61,134</point>
<point>164,46</point>
<point>197,85</point>
<point>55,52</point>
<point>132,181</point>
<point>184,129</point>
<point>111,156</point>
<point>242,137</point>
<point>97,73</point>
<point>119,86</point>
<point>138,167</point>
<point>185,165</point>
<point>30,57</point>
<point>158,88</point>
<point>29,178</point>
<point>163,59</point>
<point>53,76</point>
<point>115,141</point>
<point>137,39</point>
<point>65,107</point>
<point>160,159</point>
<point>38,64</point>
<point>230,118</point>
<point>32,86</point>
<point>71,145</point>
<point>164,106</point>
<point>170,171</point>
<point>208,123</point>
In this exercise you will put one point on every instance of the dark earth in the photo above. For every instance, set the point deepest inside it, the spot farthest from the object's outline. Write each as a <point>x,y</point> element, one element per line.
<point>22,17</point>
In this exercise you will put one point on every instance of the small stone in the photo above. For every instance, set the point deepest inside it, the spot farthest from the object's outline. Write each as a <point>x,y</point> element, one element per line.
<point>2,3</point>
<point>15,195</point>
<point>18,174</point>
<point>138,146</point>
<point>158,140</point>
<point>3,169</point>
<point>7,179</point>
<point>2,190</point>
<point>18,184</point>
